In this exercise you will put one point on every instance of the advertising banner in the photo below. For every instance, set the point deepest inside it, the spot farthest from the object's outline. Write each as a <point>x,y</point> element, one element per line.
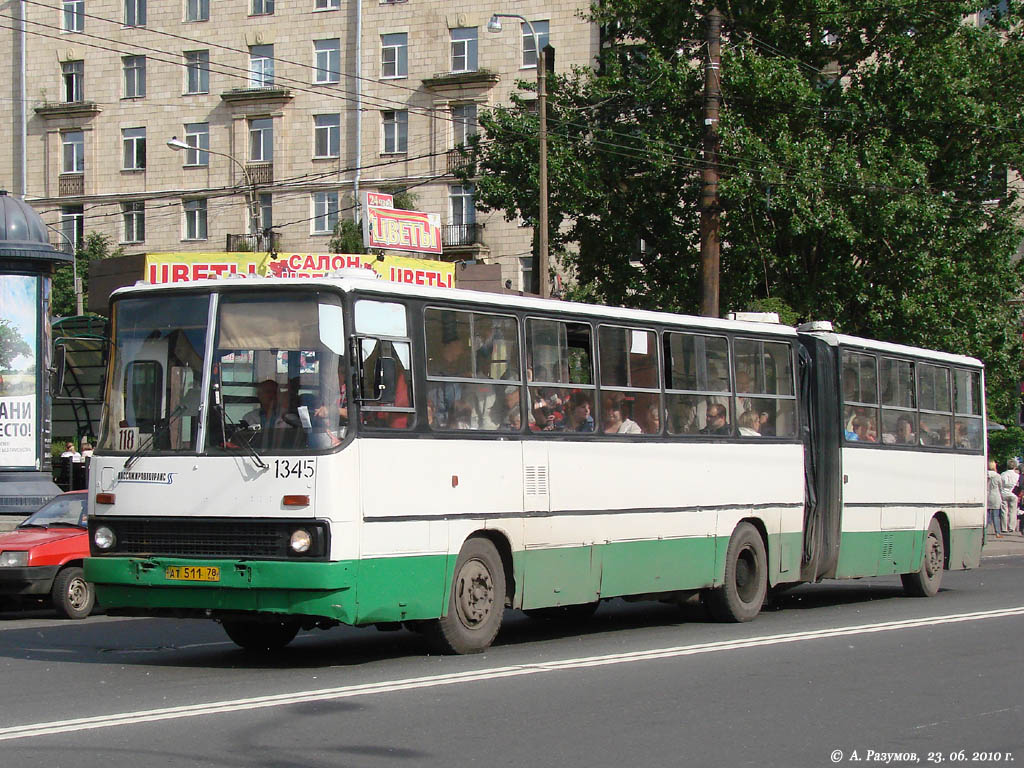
<point>393,229</point>
<point>19,397</point>
<point>179,267</point>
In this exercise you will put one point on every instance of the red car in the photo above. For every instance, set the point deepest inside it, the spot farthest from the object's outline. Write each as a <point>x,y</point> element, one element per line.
<point>42,557</point>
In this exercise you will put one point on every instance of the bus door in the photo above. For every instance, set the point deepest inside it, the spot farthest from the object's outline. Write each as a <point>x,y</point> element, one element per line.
<point>823,466</point>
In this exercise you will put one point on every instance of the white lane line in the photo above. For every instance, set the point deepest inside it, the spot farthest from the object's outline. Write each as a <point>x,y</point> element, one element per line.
<point>388,686</point>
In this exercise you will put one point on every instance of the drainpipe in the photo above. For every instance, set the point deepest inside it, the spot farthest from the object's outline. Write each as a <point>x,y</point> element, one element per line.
<point>22,106</point>
<point>359,109</point>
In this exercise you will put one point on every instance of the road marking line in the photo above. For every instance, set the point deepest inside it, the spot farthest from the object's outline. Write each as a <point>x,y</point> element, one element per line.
<point>366,689</point>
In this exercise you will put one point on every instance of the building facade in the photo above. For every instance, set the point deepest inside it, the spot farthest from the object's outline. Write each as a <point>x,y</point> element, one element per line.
<point>283,111</point>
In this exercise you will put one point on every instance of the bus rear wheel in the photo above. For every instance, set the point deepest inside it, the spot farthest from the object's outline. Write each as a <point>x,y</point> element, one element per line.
<point>928,578</point>
<point>261,636</point>
<point>743,591</point>
<point>476,604</point>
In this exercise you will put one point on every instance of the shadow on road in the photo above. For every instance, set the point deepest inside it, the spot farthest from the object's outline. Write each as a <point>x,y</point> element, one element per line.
<point>200,643</point>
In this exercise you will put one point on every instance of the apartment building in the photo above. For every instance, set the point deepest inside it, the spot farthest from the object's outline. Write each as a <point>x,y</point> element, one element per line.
<point>293,105</point>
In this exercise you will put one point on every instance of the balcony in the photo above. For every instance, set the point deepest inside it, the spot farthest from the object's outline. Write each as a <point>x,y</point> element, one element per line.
<point>253,243</point>
<point>70,109</point>
<point>442,81</point>
<point>458,161</point>
<point>260,173</point>
<point>461,235</point>
<point>268,93</point>
<point>71,184</point>
<point>61,245</point>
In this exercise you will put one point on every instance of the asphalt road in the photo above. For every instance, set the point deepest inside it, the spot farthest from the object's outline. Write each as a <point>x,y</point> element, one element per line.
<point>839,667</point>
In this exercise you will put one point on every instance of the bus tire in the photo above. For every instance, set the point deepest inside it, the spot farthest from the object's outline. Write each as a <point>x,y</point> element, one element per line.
<point>476,603</point>
<point>563,614</point>
<point>925,582</point>
<point>260,636</point>
<point>73,597</point>
<point>743,591</point>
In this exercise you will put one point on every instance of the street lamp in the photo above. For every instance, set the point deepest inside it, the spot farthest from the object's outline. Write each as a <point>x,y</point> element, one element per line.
<point>254,223</point>
<point>494,25</point>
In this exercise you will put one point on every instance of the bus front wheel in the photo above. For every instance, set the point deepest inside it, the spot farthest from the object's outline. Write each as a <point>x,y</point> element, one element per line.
<point>260,636</point>
<point>926,581</point>
<point>476,603</point>
<point>743,591</point>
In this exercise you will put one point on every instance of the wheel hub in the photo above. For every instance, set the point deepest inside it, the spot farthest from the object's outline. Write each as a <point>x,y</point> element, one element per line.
<point>475,593</point>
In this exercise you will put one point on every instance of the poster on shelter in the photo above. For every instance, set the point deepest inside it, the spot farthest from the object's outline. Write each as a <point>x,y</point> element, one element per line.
<point>19,297</point>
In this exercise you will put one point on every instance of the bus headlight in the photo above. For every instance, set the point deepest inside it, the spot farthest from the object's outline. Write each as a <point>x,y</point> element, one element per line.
<point>301,541</point>
<point>104,538</point>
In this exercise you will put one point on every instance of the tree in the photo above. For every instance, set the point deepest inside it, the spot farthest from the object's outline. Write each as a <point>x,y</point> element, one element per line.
<point>95,246</point>
<point>859,145</point>
<point>12,345</point>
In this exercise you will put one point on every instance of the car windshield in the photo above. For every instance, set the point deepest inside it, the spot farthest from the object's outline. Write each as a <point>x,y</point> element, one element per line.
<point>63,510</point>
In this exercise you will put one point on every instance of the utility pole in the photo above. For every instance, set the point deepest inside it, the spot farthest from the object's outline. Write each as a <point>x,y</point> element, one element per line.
<point>542,170</point>
<point>709,207</point>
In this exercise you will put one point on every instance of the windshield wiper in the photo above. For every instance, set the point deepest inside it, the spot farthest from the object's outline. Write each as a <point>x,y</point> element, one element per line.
<point>187,403</point>
<point>243,434</point>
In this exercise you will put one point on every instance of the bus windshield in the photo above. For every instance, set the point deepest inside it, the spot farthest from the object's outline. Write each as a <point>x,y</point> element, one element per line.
<point>276,384</point>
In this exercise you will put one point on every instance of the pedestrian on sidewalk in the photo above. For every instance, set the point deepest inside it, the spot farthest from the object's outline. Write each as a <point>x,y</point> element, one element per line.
<point>995,502</point>
<point>1009,479</point>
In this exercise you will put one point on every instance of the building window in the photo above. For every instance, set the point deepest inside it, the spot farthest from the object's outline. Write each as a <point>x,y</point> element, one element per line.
<point>134,76</point>
<point>134,215</point>
<point>396,131</point>
<point>195,219</point>
<point>197,10</point>
<point>325,212</point>
<point>73,73</point>
<point>197,136</point>
<point>464,49</point>
<point>72,224</point>
<point>326,5</point>
<point>530,45</point>
<point>394,55</point>
<point>264,212</point>
<point>135,13</point>
<point>74,15</point>
<point>461,211</point>
<point>74,151</point>
<point>134,140</point>
<point>327,135</point>
<point>262,7</point>
<point>261,140</point>
<point>261,66</point>
<point>464,123</point>
<point>327,60</point>
<point>197,71</point>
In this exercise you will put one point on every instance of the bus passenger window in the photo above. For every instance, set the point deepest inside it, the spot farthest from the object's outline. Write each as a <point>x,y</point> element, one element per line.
<point>384,328</point>
<point>967,425</point>
<point>696,382</point>
<point>933,399</point>
<point>899,402</point>
<point>630,383</point>
<point>765,387</point>
<point>560,376</point>
<point>860,397</point>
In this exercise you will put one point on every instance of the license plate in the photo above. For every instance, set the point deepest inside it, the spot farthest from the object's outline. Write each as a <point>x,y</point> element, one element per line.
<point>192,573</point>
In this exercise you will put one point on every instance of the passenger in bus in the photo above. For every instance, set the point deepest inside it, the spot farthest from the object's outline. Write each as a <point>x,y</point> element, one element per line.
<point>461,416</point>
<point>579,417</point>
<point>683,418</point>
<point>453,362</point>
<point>614,419</point>
<point>749,424</point>
<point>863,430</point>
<point>718,421</point>
<point>650,419</point>
<point>487,406</point>
<point>268,414</point>
<point>905,431</point>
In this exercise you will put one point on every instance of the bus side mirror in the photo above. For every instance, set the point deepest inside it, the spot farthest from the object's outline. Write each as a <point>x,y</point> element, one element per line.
<point>57,371</point>
<point>385,376</point>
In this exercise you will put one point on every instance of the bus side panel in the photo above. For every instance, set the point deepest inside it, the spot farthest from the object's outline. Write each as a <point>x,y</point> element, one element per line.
<point>967,520</point>
<point>401,588</point>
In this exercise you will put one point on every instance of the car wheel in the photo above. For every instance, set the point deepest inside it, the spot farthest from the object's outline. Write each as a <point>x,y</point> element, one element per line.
<point>73,596</point>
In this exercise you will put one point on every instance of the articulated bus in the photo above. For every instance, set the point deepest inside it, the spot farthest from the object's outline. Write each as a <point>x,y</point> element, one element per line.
<point>283,454</point>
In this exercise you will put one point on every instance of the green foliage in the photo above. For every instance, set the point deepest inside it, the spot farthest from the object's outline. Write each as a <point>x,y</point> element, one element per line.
<point>1005,443</point>
<point>95,246</point>
<point>858,142</point>
<point>347,237</point>
<point>12,344</point>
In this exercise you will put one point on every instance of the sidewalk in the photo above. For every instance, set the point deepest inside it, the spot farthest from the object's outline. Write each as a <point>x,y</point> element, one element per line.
<point>1010,544</point>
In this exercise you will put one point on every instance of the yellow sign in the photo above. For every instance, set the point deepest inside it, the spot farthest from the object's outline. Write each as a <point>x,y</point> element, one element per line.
<point>180,267</point>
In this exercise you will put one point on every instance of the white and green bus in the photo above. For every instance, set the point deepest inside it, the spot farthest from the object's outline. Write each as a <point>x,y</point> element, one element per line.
<point>283,454</point>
